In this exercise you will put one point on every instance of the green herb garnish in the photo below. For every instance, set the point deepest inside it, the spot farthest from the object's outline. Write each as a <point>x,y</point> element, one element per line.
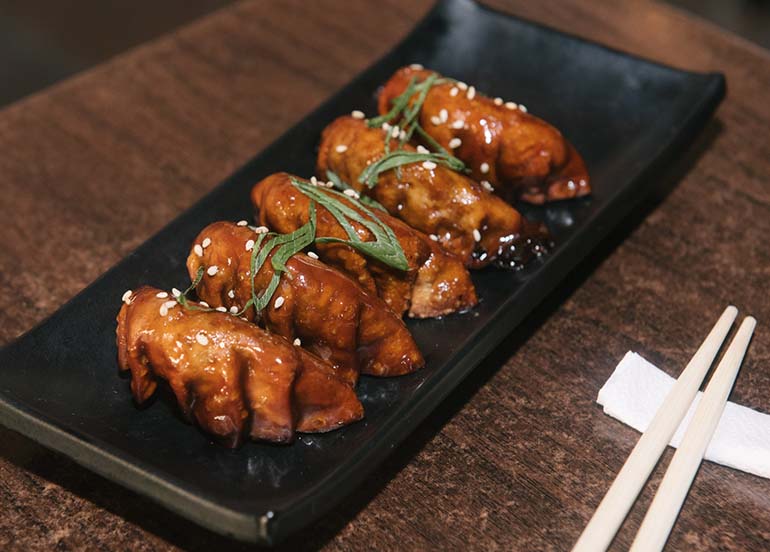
<point>385,247</point>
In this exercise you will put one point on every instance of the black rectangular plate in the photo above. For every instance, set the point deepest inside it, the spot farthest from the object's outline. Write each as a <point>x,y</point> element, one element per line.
<point>59,383</point>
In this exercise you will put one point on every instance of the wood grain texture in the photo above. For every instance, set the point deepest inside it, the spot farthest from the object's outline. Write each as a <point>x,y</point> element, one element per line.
<point>520,455</point>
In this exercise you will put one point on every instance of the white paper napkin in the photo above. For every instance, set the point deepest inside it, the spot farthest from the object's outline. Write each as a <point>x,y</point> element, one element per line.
<point>636,390</point>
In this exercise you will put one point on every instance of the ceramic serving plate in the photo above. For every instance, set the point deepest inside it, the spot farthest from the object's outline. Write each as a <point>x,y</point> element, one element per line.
<point>59,383</point>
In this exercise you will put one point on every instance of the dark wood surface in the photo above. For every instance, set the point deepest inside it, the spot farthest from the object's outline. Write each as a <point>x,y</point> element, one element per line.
<point>520,455</point>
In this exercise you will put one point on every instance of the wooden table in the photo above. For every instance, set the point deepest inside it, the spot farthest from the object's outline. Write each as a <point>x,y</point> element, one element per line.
<point>520,456</point>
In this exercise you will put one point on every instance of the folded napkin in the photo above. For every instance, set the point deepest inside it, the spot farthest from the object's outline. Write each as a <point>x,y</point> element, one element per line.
<point>635,391</point>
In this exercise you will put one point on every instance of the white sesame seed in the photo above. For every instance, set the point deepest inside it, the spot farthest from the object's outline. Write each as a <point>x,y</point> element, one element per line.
<point>127,297</point>
<point>458,124</point>
<point>212,270</point>
<point>487,186</point>
<point>234,309</point>
<point>297,342</point>
<point>179,344</point>
<point>175,292</point>
<point>498,101</point>
<point>249,245</point>
<point>203,304</point>
<point>278,302</point>
<point>206,242</point>
<point>342,148</point>
<point>453,92</point>
<point>262,230</point>
<point>443,115</point>
<point>471,93</point>
<point>202,339</point>
<point>385,127</point>
<point>221,309</point>
<point>455,143</point>
<point>171,303</point>
<point>435,120</point>
<point>402,135</point>
<point>522,108</point>
<point>163,310</point>
<point>476,234</point>
<point>434,237</point>
<point>571,184</point>
<point>198,250</point>
<point>222,343</point>
<point>356,114</point>
<point>161,295</point>
<point>231,294</point>
<point>511,105</point>
<point>395,131</point>
<point>484,168</point>
<point>314,181</point>
<point>416,67</point>
<point>312,255</point>
<point>351,193</point>
<point>462,86</point>
<point>329,184</point>
<point>242,223</point>
<point>430,165</point>
<point>422,149</point>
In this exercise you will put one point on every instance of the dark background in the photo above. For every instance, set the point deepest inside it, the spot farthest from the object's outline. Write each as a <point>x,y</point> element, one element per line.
<point>43,41</point>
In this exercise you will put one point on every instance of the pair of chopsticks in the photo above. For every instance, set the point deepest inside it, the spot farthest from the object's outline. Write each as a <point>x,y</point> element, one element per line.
<point>676,483</point>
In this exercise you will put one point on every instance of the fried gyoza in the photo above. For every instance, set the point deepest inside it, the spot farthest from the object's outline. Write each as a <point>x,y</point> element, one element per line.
<point>523,157</point>
<point>331,315</point>
<point>436,282</point>
<point>468,220</point>
<point>231,377</point>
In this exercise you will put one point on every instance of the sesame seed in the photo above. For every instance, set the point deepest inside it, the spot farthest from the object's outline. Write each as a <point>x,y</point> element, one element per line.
<point>402,135</point>
<point>202,339</point>
<point>161,295</point>
<point>484,168</point>
<point>351,193</point>
<point>453,92</point>
<point>395,131</point>
<point>278,302</point>
<point>221,309</point>
<point>163,310</point>
<point>231,294</point>
<point>385,127</point>
<point>203,304</point>
<point>127,297</point>
<point>242,223</point>
<point>434,237</point>
<point>262,230</point>
<point>435,120</point>
<point>443,115</point>
<point>342,148</point>
<point>249,245</point>
<point>522,108</point>
<point>222,343</point>
<point>462,86</point>
<point>571,184</point>
<point>297,342</point>
<point>422,149</point>
<point>476,234</point>
<point>179,344</point>
<point>356,114</point>
<point>329,184</point>
<point>312,255</point>
<point>511,105</point>
<point>455,143</point>
<point>213,269</point>
<point>471,93</point>
<point>498,101</point>
<point>430,165</point>
<point>458,124</point>
<point>206,242</point>
<point>234,309</point>
<point>416,67</point>
<point>171,303</point>
<point>487,186</point>
<point>175,292</point>
<point>314,181</point>
<point>198,250</point>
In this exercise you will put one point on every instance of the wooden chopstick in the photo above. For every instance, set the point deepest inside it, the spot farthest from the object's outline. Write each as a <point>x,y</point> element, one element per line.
<point>673,490</point>
<point>621,495</point>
